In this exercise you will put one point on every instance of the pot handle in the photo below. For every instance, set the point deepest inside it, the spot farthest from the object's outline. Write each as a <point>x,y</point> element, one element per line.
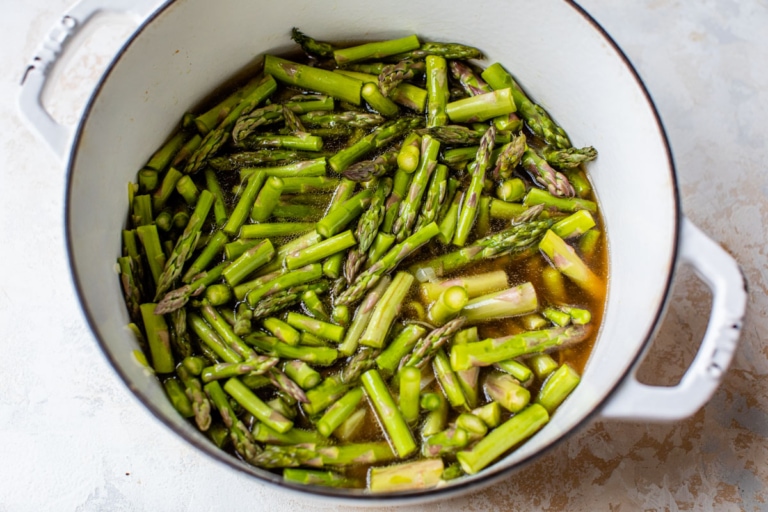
<point>634,400</point>
<point>55,134</point>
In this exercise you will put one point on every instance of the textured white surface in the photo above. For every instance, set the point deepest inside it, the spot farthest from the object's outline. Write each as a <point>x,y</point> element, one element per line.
<point>72,438</point>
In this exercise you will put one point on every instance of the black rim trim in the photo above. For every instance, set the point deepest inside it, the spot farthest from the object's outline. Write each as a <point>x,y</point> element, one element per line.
<point>491,474</point>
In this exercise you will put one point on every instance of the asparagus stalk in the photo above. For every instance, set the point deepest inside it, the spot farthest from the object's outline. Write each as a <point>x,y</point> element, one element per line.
<point>284,383</point>
<point>509,157</point>
<point>269,436</point>
<point>542,365</point>
<point>411,204</point>
<point>481,107</point>
<point>178,397</point>
<point>350,118</point>
<point>394,424</point>
<point>518,300</point>
<point>428,346</point>
<point>316,477</point>
<point>565,259</point>
<point>158,338</point>
<point>315,79</point>
<point>510,433</point>
<point>410,388</point>
<point>437,90</point>
<point>338,218</point>
<point>309,45</point>
<point>285,281</point>
<point>314,306</point>
<point>378,102</point>
<point>554,181</point>
<point>511,190</point>
<point>516,369</point>
<point>160,160</point>
<point>468,211</point>
<point>322,329</point>
<point>275,229</point>
<point>386,310</point>
<point>422,474</point>
<point>212,340</point>
<point>241,437</point>
<point>489,351</point>
<point>448,380</point>
<point>224,330</point>
<point>366,170</point>
<point>535,116</point>
<point>320,251</point>
<point>367,228</point>
<point>471,83</point>
<point>505,390</point>
<point>391,75</point>
<point>303,374</point>
<point>574,225</point>
<point>448,305</point>
<point>281,331</point>
<point>258,365</point>
<point>386,264</point>
<point>168,185</point>
<point>150,240</point>
<point>490,414</point>
<point>451,51</point>
<point>445,442</point>
<point>569,158</point>
<point>324,395</point>
<point>253,404</point>
<point>475,285</point>
<point>436,419</point>
<point>248,262</point>
<point>234,161</point>
<point>273,303</point>
<point>335,415</point>
<point>434,197</point>
<point>321,356</point>
<point>557,387</point>
<point>450,219</point>
<point>375,50</point>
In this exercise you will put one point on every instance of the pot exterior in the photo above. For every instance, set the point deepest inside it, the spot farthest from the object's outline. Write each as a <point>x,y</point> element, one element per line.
<point>556,51</point>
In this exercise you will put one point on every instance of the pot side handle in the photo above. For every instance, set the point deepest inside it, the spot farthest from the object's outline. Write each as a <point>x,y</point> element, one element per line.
<point>39,120</point>
<point>718,270</point>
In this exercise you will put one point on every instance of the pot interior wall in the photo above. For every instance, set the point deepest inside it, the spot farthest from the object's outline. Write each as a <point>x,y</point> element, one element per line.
<point>559,56</point>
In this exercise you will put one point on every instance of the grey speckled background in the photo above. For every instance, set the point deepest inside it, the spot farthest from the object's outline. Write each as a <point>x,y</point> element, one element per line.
<point>71,438</point>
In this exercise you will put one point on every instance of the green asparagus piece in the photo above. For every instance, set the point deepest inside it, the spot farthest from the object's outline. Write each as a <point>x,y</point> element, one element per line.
<point>158,338</point>
<point>367,229</point>
<point>267,199</point>
<point>322,329</point>
<point>391,75</point>
<point>542,365</point>
<point>448,305</point>
<point>569,158</point>
<point>366,170</point>
<point>394,424</point>
<point>163,156</point>
<point>437,90</point>
<point>423,474</point>
<point>380,246</point>
<point>320,251</point>
<point>258,365</point>
<point>438,414</point>
<point>481,107</point>
<point>378,102</point>
<point>511,190</point>
<point>234,161</point>
<point>379,137</point>
<point>315,79</point>
<point>510,433</point>
<point>434,197</point>
<point>350,118</point>
<point>471,83</point>
<point>178,397</point>
<point>375,50</point>
<point>409,153</point>
<point>516,369</point>
<point>565,259</point>
<point>253,404</point>
<point>451,218</point>
<point>514,240</point>
<point>303,374</point>
<point>489,351</point>
<point>468,211</point>
<point>556,316</point>
<point>211,339</point>
<point>275,229</point>
<point>325,394</point>
<point>130,284</point>
<point>368,279</point>
<point>589,243</point>
<point>188,190</point>
<point>142,210</point>
<point>335,415</point>
<point>450,51</point>
<point>507,392</point>
<point>225,332</point>
<point>264,434</point>
<point>386,310</point>
<point>338,218</point>
<point>244,204</point>
<point>309,45</point>
<point>554,181</point>
<point>322,356</point>
<point>288,387</point>
<point>314,306</point>
<point>241,437</point>
<point>281,331</point>
<point>215,246</point>
<point>410,388</point>
<point>168,185</point>
<point>400,185</point>
<point>475,285</point>
<point>448,380</point>
<point>557,387</point>
<point>285,281</point>
<point>187,150</point>
<point>411,204</point>
<point>574,225</point>
<point>518,300</point>
<point>218,294</point>
<point>211,118</point>
<point>535,117</point>
<point>427,347</point>
<point>316,477</point>
<point>248,262</point>
<point>490,413</point>
<point>150,240</point>
<point>273,303</point>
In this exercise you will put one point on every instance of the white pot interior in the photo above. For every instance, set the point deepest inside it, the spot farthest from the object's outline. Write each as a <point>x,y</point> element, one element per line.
<point>555,51</point>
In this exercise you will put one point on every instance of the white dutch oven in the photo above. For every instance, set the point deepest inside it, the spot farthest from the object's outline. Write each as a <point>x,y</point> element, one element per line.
<point>571,66</point>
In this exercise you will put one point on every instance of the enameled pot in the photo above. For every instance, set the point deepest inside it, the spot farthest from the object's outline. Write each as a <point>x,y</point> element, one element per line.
<point>183,50</point>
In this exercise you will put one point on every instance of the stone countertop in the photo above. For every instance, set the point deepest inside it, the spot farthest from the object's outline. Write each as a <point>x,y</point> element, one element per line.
<point>73,438</point>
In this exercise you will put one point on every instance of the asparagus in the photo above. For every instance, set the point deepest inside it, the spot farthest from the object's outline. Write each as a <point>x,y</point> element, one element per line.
<point>468,211</point>
<point>448,380</point>
<point>379,137</point>
<point>505,390</point>
<point>481,107</point>
<point>392,75</point>
<point>264,434</point>
<point>574,225</point>
<point>362,318</point>
<point>565,259</point>
<point>142,210</point>
<point>368,279</point>
<point>437,90</point>
<point>510,190</point>
<point>258,365</point>
<point>375,50</point>
<point>314,306</point>
<point>450,219</point>
<point>516,429</point>
<point>224,330</point>
<point>555,182</point>
<point>315,79</point>
<point>542,365</point>
<point>556,316</point>
<point>160,160</point>
<point>150,240</point>
<point>322,329</point>
<point>503,210</point>
<point>320,251</point>
<point>535,117</point>
<point>471,83</point>
<point>303,374</point>
<point>448,305</point>
<point>315,477</point>
<point>310,454</point>
<point>309,45</point>
<point>323,395</point>
<point>158,338</point>
<point>241,437</point>
<point>130,284</point>
<point>435,420</point>
<point>217,294</point>
<point>409,154</point>
<point>509,157</point>
<point>322,356</point>
<point>350,118</point>
<point>244,204</point>
<point>473,425</point>
<point>274,303</point>
<point>366,170</point>
<point>275,229</point>
<point>569,158</point>
<point>234,161</point>
<point>475,285</point>
<point>367,229</point>
<point>212,340</point>
<point>489,351</point>
<point>253,404</point>
<point>394,424</point>
<point>351,426</point>
<point>589,243</point>
<point>557,387</point>
<point>340,216</point>
<point>490,414</point>
<point>168,185</point>
<point>284,282</point>
<point>451,51</point>
<point>516,369</point>
<point>178,397</point>
<point>513,240</point>
<point>422,474</point>
<point>428,346</point>
<point>215,139</point>
<point>335,415</point>
<point>434,197</point>
<point>410,388</point>
<point>378,102</point>
<point>411,204</point>
<point>284,383</point>
<point>518,300</point>
<point>248,262</point>
<point>385,311</point>
<point>400,185</point>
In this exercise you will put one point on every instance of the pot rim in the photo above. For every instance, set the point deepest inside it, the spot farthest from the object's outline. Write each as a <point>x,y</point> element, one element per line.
<point>490,475</point>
